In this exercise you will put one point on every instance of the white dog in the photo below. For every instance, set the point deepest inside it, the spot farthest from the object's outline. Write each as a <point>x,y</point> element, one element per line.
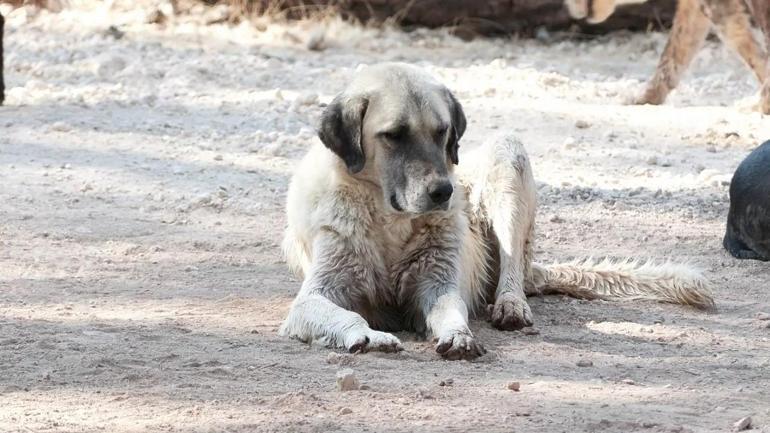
<point>390,237</point>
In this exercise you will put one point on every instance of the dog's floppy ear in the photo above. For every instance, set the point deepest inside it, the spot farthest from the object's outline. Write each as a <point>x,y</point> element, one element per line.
<point>458,128</point>
<point>341,130</point>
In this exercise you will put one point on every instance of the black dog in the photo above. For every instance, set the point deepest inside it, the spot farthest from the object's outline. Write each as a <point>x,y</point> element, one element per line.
<point>2,83</point>
<point>748,223</point>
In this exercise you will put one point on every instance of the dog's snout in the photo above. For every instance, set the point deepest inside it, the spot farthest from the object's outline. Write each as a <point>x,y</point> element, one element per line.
<point>440,191</point>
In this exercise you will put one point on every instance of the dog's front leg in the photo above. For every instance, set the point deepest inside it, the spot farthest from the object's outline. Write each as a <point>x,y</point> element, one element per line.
<point>429,282</point>
<point>341,278</point>
<point>447,320</point>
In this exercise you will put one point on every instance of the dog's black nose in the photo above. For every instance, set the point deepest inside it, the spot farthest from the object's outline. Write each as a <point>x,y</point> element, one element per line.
<point>440,192</point>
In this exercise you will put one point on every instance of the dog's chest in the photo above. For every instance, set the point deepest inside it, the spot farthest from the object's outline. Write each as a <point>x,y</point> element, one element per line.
<point>392,234</point>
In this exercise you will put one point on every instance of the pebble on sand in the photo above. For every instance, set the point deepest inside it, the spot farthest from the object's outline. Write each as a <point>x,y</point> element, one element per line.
<point>514,386</point>
<point>585,363</point>
<point>742,424</point>
<point>346,380</point>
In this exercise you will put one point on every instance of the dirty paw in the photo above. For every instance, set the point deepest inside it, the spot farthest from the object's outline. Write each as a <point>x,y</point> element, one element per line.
<point>459,345</point>
<point>370,340</point>
<point>510,312</point>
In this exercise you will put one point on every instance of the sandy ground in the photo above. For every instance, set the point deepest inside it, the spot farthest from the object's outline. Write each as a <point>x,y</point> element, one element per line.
<point>142,181</point>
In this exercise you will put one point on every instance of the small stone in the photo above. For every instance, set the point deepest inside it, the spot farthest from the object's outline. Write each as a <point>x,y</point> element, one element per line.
<point>652,160</point>
<point>762,316</point>
<point>218,157</point>
<point>628,381</point>
<point>316,41</point>
<point>339,359</point>
<point>108,67</point>
<point>585,363</point>
<point>155,16</point>
<point>742,424</point>
<point>346,380</point>
<point>542,34</point>
<point>60,127</point>
<point>514,386</point>
<point>346,411</point>
<point>530,331</point>
<point>217,14</point>
<point>307,99</point>
<point>569,143</point>
<point>424,394</point>
<point>555,219</point>
<point>446,382</point>
<point>582,124</point>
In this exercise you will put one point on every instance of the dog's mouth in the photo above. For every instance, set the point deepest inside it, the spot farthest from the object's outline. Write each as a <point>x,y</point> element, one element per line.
<point>394,203</point>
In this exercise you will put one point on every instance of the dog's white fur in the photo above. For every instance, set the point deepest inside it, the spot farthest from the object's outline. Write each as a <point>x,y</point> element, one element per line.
<point>438,267</point>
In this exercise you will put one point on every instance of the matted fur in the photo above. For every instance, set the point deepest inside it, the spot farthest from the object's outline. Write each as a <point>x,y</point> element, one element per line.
<point>369,267</point>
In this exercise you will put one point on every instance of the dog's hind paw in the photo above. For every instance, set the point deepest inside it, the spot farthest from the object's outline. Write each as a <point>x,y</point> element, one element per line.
<point>371,340</point>
<point>459,345</point>
<point>510,312</point>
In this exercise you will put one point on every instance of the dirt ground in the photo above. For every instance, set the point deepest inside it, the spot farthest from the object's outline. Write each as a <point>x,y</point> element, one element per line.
<point>142,179</point>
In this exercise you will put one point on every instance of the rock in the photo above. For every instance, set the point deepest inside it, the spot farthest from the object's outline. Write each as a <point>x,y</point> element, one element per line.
<point>555,219</point>
<point>585,363</point>
<point>424,394</point>
<point>514,386</point>
<point>569,143</point>
<point>628,381</point>
<point>155,16</point>
<point>542,34</point>
<point>530,331</point>
<point>306,99</point>
<point>742,424</point>
<point>107,67</point>
<point>346,380</point>
<point>340,359</point>
<point>762,316</point>
<point>316,41</point>
<point>446,382</point>
<point>218,14</point>
<point>652,160</point>
<point>582,124</point>
<point>346,411</point>
<point>60,126</point>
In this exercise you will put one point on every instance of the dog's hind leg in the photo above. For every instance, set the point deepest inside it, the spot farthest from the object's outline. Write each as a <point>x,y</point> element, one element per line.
<point>691,25</point>
<point>503,194</point>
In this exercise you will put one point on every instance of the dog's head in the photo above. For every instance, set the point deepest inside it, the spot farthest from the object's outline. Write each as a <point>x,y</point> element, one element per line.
<point>398,128</point>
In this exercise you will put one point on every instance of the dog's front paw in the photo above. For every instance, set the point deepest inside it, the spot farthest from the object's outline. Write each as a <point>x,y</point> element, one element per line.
<point>369,340</point>
<point>510,312</point>
<point>459,345</point>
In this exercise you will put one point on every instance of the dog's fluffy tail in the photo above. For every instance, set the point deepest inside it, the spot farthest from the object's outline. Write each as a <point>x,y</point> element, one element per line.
<point>627,279</point>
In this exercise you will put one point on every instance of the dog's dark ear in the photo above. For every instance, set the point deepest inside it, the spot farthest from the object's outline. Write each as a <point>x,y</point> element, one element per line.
<point>341,130</point>
<point>457,130</point>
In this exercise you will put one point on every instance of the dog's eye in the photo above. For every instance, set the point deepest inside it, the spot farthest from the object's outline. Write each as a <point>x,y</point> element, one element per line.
<point>441,131</point>
<point>395,135</point>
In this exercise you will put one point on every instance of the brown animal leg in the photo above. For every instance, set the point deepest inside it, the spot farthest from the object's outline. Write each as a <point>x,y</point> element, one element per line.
<point>688,32</point>
<point>761,11</point>
<point>732,21</point>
